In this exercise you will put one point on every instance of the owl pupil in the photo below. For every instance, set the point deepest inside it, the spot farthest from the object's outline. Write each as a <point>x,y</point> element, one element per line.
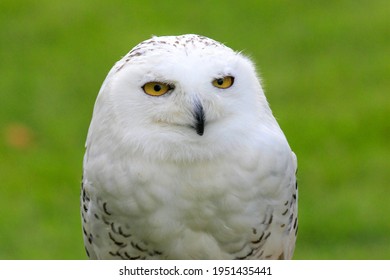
<point>220,82</point>
<point>157,88</point>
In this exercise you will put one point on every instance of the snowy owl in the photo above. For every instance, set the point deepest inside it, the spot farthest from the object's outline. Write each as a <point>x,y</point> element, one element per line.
<point>184,159</point>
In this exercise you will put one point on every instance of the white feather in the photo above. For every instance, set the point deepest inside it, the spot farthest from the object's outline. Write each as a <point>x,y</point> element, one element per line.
<point>154,188</point>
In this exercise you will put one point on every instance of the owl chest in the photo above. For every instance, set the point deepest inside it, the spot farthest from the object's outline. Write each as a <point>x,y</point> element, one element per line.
<point>161,203</point>
<point>200,194</point>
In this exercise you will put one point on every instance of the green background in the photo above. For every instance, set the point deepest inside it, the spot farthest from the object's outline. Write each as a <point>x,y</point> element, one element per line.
<point>325,67</point>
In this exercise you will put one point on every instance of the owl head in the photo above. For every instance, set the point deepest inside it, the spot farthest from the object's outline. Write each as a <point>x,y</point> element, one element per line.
<point>179,97</point>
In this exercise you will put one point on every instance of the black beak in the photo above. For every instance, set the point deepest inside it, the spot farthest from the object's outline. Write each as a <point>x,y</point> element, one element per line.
<point>199,118</point>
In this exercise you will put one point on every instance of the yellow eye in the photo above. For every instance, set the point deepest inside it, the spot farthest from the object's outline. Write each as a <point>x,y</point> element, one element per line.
<point>156,88</point>
<point>225,82</point>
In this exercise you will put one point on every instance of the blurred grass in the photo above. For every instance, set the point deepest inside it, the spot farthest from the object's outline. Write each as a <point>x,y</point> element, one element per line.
<point>325,67</point>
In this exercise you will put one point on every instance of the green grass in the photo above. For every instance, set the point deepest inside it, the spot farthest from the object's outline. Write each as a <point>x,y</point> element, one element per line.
<point>325,68</point>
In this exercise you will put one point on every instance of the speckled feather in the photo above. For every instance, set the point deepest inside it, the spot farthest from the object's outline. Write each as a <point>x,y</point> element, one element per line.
<point>155,188</point>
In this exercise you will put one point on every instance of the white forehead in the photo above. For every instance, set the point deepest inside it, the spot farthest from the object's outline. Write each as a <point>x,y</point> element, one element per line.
<point>188,43</point>
<point>173,45</point>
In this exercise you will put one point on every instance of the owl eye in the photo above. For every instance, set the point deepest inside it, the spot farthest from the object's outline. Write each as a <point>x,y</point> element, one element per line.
<point>225,82</point>
<point>156,88</point>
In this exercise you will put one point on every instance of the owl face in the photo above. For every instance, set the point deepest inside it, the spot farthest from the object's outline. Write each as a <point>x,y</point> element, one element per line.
<point>182,90</point>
